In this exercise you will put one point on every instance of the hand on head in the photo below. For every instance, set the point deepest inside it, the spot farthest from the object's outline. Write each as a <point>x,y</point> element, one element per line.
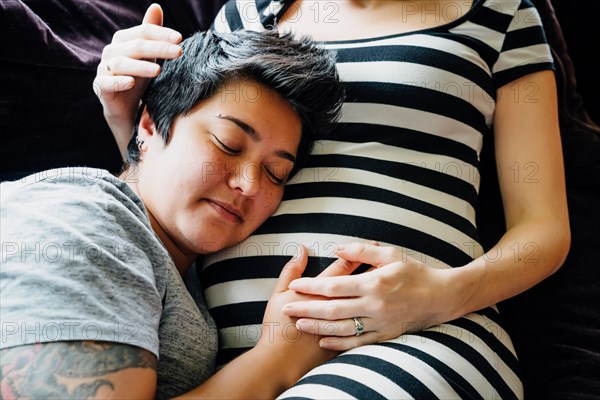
<point>129,62</point>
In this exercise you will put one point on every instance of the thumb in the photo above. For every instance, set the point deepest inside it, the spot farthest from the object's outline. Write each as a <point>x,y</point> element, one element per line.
<point>154,15</point>
<point>292,270</point>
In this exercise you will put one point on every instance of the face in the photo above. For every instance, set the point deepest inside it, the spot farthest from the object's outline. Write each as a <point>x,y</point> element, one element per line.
<point>223,171</point>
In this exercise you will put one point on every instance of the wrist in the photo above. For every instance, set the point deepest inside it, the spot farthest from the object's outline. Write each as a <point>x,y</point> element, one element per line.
<point>120,118</point>
<point>293,353</point>
<point>462,284</point>
<point>284,369</point>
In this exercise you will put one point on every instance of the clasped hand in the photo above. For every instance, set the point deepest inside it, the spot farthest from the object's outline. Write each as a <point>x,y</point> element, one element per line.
<point>397,295</point>
<point>280,335</point>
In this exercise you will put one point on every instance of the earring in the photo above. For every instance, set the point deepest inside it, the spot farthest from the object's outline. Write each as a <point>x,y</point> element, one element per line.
<point>139,143</point>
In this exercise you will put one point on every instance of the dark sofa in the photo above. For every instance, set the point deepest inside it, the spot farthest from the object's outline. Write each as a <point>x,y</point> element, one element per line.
<point>49,117</point>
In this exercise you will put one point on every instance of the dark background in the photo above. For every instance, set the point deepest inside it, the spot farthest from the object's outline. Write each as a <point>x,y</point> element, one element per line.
<point>580,25</point>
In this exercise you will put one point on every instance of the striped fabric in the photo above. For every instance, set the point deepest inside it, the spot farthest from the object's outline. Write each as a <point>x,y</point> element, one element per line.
<point>402,169</point>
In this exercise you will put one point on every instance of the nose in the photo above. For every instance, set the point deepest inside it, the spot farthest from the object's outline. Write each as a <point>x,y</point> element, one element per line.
<point>246,179</point>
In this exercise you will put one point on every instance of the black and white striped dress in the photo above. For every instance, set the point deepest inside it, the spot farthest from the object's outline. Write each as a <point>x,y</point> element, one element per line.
<point>402,169</point>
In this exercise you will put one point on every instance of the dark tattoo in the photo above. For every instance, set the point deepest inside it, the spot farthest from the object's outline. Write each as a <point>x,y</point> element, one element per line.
<point>66,370</point>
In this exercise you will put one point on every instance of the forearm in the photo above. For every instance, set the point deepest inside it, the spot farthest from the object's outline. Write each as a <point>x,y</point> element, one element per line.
<point>121,128</point>
<point>249,375</point>
<point>261,372</point>
<point>527,138</point>
<point>528,253</point>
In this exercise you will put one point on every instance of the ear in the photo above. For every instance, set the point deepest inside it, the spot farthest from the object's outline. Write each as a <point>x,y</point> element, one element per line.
<point>146,127</point>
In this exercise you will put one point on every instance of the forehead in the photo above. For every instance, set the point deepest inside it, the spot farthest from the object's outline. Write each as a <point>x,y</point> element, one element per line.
<point>250,100</point>
<point>255,109</point>
<point>246,90</point>
<point>249,91</point>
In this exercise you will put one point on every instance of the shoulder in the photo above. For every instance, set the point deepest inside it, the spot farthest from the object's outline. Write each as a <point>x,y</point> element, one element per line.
<point>84,216</point>
<point>70,194</point>
<point>80,258</point>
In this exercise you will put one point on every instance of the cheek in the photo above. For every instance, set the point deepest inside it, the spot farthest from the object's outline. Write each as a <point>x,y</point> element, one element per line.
<point>269,202</point>
<point>208,172</point>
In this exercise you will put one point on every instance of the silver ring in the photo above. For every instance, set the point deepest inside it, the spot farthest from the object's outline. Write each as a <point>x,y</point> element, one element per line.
<point>358,326</point>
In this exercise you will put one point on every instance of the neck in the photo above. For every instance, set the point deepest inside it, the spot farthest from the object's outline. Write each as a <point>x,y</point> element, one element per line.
<point>182,259</point>
<point>367,3</point>
<point>374,3</point>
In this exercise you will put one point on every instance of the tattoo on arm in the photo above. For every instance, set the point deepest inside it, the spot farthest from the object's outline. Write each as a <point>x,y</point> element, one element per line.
<point>66,370</point>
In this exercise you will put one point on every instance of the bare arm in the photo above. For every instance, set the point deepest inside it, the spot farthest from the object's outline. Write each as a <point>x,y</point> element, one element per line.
<point>77,370</point>
<point>531,175</point>
<point>267,370</point>
<point>128,63</point>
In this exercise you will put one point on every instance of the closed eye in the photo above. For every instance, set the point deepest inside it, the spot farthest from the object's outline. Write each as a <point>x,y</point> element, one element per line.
<point>226,148</point>
<point>274,178</point>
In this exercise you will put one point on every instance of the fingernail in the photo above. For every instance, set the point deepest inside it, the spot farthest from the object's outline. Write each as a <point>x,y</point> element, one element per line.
<point>174,37</point>
<point>293,285</point>
<point>327,343</point>
<point>174,49</point>
<point>153,68</point>
<point>301,325</point>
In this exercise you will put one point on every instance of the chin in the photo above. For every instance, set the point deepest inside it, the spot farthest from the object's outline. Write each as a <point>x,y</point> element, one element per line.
<point>202,244</point>
<point>211,242</point>
<point>208,248</point>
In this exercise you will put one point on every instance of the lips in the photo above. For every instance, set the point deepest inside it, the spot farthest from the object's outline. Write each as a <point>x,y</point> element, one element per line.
<point>227,211</point>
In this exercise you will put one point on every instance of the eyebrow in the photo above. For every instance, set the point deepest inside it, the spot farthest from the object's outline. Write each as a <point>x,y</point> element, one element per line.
<point>250,131</point>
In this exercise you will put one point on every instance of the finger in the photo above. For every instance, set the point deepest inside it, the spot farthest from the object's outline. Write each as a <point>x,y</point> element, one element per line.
<point>128,66</point>
<point>153,15</point>
<point>344,267</point>
<point>330,310</point>
<point>343,327</point>
<point>339,267</point>
<point>142,49</point>
<point>111,84</point>
<point>147,31</point>
<point>333,286</point>
<point>371,254</point>
<point>348,342</point>
<point>292,270</point>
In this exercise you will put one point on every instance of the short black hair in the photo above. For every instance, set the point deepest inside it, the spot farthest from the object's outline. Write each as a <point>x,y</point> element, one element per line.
<point>299,71</point>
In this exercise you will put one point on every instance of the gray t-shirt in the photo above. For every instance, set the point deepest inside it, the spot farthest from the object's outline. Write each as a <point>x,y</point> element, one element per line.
<point>80,261</point>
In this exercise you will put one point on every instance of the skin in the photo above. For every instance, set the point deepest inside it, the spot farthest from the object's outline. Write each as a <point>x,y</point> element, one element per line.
<point>379,17</point>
